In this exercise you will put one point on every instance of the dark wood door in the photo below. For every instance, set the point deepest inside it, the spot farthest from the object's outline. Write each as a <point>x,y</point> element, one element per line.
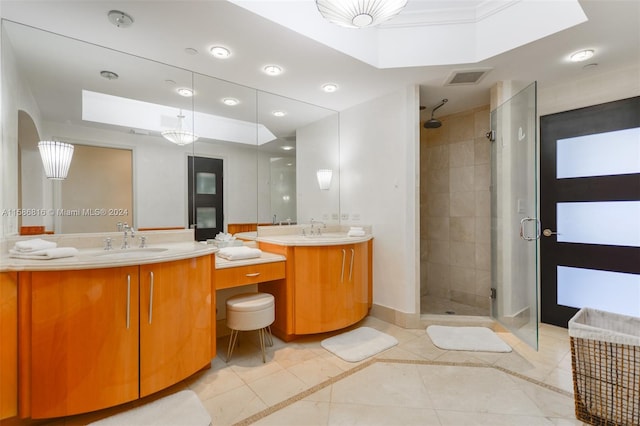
<point>205,197</point>
<point>582,262</point>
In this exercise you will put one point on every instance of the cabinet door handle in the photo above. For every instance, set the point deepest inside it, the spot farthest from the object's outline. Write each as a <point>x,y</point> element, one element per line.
<point>151,298</point>
<point>128,299</point>
<point>353,253</point>
<point>253,274</point>
<point>344,254</point>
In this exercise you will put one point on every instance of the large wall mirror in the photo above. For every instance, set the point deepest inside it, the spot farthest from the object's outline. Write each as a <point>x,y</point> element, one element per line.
<point>114,107</point>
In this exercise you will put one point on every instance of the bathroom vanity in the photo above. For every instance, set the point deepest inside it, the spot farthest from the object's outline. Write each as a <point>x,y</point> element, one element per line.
<point>108,327</point>
<point>328,283</point>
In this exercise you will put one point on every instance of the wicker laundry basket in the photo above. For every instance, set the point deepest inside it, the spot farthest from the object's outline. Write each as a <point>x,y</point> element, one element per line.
<point>605,360</point>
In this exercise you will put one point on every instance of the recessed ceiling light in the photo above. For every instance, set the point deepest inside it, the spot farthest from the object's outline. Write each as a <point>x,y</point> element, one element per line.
<point>183,91</point>
<point>582,55</point>
<point>230,101</point>
<point>272,70</point>
<point>119,19</point>
<point>109,75</point>
<point>220,52</point>
<point>330,87</point>
<point>279,113</point>
<point>287,148</point>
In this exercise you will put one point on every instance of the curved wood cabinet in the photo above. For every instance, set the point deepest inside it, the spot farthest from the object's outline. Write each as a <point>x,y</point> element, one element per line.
<point>97,338</point>
<point>331,289</point>
<point>9,344</point>
<point>84,339</point>
<point>175,321</point>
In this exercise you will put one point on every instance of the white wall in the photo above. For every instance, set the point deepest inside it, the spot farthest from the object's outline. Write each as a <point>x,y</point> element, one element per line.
<point>590,88</point>
<point>379,186</point>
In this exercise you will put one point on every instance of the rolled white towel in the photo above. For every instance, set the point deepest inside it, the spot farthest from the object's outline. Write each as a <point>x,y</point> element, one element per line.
<point>46,254</point>
<point>239,253</point>
<point>34,244</point>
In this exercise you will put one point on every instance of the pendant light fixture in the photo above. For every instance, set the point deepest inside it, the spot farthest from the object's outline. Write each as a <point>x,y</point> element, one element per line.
<point>56,158</point>
<point>359,13</point>
<point>179,136</point>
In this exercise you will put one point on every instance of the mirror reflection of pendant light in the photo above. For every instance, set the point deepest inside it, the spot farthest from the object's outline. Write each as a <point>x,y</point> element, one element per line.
<point>359,13</point>
<point>56,158</point>
<point>179,136</point>
<point>324,178</point>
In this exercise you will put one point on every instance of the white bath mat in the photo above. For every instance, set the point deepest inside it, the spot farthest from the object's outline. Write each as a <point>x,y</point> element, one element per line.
<point>481,339</point>
<point>182,408</point>
<point>359,344</point>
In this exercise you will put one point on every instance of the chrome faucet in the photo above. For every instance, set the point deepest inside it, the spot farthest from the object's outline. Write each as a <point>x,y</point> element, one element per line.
<point>128,230</point>
<point>318,229</point>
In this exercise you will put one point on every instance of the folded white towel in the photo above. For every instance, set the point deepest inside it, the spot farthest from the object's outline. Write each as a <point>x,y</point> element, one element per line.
<point>356,233</point>
<point>356,228</point>
<point>33,245</point>
<point>46,254</point>
<point>239,253</point>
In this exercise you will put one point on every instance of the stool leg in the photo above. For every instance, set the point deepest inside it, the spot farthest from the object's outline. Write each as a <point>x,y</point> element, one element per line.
<point>261,337</point>
<point>232,343</point>
<point>269,336</point>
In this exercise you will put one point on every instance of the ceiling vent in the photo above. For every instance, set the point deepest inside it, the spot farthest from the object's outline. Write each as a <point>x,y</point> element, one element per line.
<point>466,77</point>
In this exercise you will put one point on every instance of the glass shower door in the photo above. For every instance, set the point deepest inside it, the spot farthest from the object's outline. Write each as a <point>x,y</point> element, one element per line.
<point>515,228</point>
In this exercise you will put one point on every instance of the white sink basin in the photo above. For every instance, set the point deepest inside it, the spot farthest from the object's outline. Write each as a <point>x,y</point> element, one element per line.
<point>131,253</point>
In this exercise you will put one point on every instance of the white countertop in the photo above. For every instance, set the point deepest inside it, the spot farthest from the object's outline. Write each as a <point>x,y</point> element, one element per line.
<point>326,239</point>
<point>98,258</point>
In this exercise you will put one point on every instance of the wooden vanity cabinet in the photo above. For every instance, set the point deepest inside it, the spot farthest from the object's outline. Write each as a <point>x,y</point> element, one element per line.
<point>84,340</point>
<point>9,345</point>
<point>175,321</point>
<point>96,338</point>
<point>331,287</point>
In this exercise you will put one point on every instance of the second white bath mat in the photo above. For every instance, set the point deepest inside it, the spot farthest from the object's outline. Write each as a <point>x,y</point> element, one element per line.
<point>480,339</point>
<point>359,344</point>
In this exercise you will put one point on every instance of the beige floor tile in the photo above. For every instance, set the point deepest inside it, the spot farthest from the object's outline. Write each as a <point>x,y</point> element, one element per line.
<point>302,413</point>
<point>277,387</point>
<point>383,384</point>
<point>233,406</point>
<point>367,415</point>
<point>315,371</point>
<point>457,418</point>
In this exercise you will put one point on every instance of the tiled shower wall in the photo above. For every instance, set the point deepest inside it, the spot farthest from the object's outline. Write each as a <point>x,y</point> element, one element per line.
<point>455,214</point>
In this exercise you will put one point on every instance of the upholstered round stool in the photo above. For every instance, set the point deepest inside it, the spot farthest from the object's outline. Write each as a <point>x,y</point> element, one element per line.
<point>250,311</point>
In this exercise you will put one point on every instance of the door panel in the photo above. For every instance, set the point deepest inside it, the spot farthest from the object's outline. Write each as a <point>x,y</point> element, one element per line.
<point>590,204</point>
<point>175,321</point>
<point>514,224</point>
<point>206,197</point>
<point>84,340</point>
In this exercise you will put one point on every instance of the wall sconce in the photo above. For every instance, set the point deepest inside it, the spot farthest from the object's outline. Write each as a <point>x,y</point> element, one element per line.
<point>56,158</point>
<point>324,178</point>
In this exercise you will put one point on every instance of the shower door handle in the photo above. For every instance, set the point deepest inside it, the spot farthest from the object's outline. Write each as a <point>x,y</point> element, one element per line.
<point>522,232</point>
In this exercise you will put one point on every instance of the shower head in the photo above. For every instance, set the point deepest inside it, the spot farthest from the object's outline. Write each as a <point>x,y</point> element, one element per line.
<point>434,123</point>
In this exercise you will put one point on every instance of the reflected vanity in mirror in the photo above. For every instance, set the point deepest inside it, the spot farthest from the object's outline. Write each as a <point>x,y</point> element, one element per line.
<point>110,104</point>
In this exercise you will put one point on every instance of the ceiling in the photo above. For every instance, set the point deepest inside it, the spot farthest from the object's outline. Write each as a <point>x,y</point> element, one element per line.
<point>162,30</point>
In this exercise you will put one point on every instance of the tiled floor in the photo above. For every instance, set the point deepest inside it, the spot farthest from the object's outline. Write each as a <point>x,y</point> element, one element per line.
<point>413,383</point>
<point>440,306</point>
